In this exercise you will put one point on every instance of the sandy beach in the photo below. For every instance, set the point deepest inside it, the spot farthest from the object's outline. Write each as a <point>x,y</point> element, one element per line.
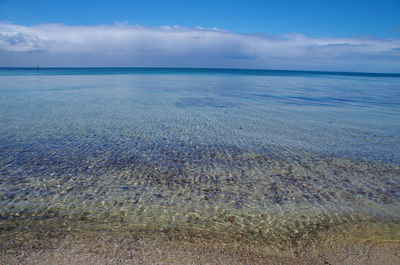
<point>58,246</point>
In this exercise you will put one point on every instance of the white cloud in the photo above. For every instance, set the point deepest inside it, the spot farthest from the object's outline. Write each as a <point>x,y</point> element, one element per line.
<point>133,45</point>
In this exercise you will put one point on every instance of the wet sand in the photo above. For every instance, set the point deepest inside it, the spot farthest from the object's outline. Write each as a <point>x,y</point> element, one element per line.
<point>58,246</point>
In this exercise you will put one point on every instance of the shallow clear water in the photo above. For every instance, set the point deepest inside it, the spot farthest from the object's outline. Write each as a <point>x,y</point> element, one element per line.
<point>271,154</point>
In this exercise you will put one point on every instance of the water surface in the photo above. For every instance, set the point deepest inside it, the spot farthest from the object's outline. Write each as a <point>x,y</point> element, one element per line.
<point>278,156</point>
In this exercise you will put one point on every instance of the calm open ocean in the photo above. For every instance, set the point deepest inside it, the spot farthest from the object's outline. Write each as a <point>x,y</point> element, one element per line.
<point>279,156</point>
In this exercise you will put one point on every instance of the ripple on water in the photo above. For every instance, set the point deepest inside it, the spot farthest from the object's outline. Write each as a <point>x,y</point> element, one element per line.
<point>262,194</point>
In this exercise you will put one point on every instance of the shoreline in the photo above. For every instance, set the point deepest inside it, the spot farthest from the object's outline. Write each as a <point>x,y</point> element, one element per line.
<point>59,246</point>
<point>365,243</point>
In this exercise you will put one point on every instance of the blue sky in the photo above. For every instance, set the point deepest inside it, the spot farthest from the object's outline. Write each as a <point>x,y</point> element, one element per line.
<point>311,35</point>
<point>310,17</point>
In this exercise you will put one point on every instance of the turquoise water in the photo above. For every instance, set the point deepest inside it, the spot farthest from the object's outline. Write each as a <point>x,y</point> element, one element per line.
<point>250,151</point>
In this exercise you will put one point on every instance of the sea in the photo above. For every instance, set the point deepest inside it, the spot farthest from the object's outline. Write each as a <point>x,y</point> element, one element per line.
<point>283,158</point>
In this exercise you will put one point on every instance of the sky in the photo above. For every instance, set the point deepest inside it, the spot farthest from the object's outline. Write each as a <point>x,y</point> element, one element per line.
<point>333,35</point>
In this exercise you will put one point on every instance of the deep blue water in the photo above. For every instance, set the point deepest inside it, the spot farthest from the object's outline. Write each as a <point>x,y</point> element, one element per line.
<point>149,70</point>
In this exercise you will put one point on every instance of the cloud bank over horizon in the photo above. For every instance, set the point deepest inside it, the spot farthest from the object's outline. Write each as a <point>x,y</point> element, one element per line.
<point>124,45</point>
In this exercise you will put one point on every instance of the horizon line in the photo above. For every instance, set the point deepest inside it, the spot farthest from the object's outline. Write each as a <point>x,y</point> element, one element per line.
<point>338,72</point>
